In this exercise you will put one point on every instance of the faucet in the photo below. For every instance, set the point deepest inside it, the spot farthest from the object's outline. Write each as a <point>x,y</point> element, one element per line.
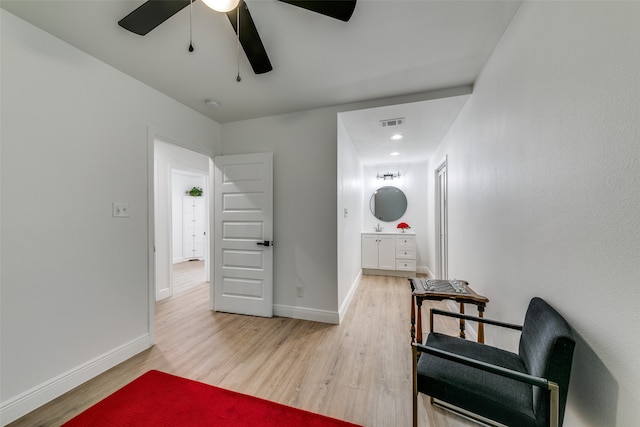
<point>378,228</point>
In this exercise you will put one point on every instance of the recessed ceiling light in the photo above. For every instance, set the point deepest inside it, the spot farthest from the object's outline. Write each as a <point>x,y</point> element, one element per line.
<point>396,137</point>
<point>395,153</point>
<point>211,103</point>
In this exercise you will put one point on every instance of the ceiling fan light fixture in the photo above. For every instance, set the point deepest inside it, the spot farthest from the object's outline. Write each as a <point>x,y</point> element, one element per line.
<point>222,5</point>
<point>151,13</point>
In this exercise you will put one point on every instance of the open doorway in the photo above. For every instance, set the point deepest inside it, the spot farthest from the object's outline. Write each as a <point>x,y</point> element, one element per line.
<point>189,195</point>
<point>177,239</point>
<point>390,140</point>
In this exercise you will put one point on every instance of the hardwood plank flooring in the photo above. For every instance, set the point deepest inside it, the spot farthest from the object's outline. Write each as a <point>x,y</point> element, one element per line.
<point>187,274</point>
<point>359,371</point>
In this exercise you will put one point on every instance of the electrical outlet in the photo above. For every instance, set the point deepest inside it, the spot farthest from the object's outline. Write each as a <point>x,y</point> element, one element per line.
<point>299,291</point>
<point>121,210</point>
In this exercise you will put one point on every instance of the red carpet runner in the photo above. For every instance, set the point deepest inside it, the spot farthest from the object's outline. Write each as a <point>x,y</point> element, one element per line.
<point>160,399</point>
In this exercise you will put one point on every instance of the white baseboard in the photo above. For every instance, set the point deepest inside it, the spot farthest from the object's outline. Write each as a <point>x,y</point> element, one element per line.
<point>304,313</point>
<point>315,315</point>
<point>425,270</point>
<point>342,310</point>
<point>392,273</point>
<point>163,293</point>
<point>22,404</point>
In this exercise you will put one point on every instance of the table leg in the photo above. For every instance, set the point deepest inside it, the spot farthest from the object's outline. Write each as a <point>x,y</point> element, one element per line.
<point>413,319</point>
<point>462,334</point>
<point>419,316</point>
<point>480,324</point>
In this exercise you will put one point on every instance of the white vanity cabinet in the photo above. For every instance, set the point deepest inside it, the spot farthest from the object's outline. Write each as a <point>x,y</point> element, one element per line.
<point>378,251</point>
<point>391,254</point>
<point>406,253</point>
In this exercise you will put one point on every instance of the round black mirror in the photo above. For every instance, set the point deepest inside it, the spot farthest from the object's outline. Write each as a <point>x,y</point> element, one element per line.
<point>388,203</point>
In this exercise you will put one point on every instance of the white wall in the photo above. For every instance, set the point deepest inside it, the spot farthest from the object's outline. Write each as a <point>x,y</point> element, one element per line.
<point>543,191</point>
<point>74,280</point>
<point>350,183</point>
<point>412,182</point>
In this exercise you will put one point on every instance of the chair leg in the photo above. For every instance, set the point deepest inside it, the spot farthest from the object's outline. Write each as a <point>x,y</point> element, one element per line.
<point>554,403</point>
<point>414,362</point>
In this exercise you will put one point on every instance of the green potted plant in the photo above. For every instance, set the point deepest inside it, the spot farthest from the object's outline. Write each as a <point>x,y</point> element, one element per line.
<point>195,192</point>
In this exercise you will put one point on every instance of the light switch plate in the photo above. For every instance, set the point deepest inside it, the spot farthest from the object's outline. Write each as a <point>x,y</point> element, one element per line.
<point>121,210</point>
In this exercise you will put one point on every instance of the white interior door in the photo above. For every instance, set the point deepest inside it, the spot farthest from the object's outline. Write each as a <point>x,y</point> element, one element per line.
<point>243,228</point>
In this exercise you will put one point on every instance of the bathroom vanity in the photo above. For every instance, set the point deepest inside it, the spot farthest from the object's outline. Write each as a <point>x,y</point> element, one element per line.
<point>389,253</point>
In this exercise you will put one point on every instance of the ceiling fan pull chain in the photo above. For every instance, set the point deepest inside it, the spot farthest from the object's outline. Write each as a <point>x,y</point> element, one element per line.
<point>238,78</point>
<point>191,26</point>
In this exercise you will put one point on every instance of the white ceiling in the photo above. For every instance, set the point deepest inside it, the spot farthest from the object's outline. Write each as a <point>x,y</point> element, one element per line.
<point>388,48</point>
<point>424,126</point>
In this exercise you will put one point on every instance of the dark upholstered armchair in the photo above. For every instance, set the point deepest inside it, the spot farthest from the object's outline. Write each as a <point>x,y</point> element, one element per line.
<point>491,384</point>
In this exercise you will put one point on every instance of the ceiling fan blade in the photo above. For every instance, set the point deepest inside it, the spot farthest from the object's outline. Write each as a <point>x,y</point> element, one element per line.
<point>250,39</point>
<point>151,14</point>
<point>338,9</point>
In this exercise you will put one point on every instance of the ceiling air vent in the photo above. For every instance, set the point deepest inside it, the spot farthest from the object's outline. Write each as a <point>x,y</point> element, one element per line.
<point>392,122</point>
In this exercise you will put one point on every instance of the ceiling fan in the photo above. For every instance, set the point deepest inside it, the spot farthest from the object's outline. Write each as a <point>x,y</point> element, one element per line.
<point>152,13</point>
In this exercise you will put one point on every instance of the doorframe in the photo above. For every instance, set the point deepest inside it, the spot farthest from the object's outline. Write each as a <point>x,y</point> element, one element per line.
<point>152,136</point>
<point>442,245</point>
<point>185,170</point>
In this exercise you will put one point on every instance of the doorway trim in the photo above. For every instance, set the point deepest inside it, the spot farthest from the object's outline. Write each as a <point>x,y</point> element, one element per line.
<point>442,219</point>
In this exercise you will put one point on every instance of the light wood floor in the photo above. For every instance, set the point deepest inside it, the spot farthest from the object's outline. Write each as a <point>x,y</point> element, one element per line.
<point>358,371</point>
<point>187,274</point>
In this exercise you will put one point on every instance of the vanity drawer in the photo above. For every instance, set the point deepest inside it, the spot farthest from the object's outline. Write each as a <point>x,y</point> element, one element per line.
<point>405,242</point>
<point>406,264</point>
<point>405,252</point>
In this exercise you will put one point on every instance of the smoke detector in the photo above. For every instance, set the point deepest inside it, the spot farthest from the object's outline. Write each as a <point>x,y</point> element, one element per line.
<point>212,103</point>
<point>392,122</point>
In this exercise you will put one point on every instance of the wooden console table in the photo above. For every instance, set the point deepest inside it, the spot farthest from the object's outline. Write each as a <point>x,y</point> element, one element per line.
<point>438,290</point>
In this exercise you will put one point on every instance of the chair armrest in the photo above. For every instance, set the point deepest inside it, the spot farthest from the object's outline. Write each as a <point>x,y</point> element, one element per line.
<point>475,319</point>
<point>488,367</point>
